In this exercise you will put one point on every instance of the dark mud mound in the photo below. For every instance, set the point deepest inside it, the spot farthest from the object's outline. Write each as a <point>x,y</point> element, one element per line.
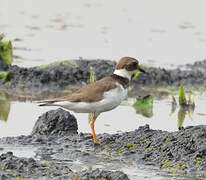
<point>100,175</point>
<point>58,76</point>
<point>14,167</point>
<point>189,76</point>
<point>55,77</point>
<point>182,152</point>
<point>55,122</point>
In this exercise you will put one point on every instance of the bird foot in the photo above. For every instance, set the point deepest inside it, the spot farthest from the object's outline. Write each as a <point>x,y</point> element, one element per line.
<point>97,143</point>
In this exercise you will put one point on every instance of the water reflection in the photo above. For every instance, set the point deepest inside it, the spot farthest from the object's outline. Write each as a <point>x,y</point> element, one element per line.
<point>144,106</point>
<point>188,108</point>
<point>20,114</point>
<point>5,105</point>
<point>174,105</point>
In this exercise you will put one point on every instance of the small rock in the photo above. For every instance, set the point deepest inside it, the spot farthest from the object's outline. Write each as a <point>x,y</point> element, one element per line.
<point>55,122</point>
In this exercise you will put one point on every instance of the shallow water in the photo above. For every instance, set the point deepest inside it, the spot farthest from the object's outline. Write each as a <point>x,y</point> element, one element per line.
<point>158,32</point>
<point>23,115</point>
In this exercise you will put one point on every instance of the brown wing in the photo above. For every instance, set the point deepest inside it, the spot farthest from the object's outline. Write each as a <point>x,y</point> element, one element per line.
<point>90,93</point>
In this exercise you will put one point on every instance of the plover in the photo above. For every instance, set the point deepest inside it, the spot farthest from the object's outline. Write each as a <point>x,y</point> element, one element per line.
<point>102,95</point>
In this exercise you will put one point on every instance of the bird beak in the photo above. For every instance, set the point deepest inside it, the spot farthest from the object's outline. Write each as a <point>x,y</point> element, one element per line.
<point>141,70</point>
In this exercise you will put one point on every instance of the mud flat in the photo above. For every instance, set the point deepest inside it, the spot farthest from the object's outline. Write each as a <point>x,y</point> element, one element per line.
<point>180,154</point>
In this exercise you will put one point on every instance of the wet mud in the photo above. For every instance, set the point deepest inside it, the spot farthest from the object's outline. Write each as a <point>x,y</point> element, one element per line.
<point>181,153</point>
<point>13,167</point>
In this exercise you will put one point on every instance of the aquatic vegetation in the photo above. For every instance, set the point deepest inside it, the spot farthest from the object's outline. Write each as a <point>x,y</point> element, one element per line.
<point>47,169</point>
<point>4,75</point>
<point>21,85</point>
<point>131,146</point>
<point>121,152</point>
<point>184,166</point>
<point>182,96</point>
<point>33,171</point>
<point>6,52</point>
<point>136,75</point>
<point>148,149</point>
<point>177,166</point>
<point>198,160</point>
<point>181,117</point>
<point>185,106</point>
<point>70,63</point>
<point>144,139</point>
<point>4,106</point>
<point>191,99</point>
<point>166,164</point>
<point>6,55</point>
<point>169,139</point>
<point>173,171</point>
<point>144,106</point>
<point>174,105</point>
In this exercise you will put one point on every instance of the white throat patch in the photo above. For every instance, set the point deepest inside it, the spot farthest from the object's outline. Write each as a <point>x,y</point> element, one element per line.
<point>123,73</point>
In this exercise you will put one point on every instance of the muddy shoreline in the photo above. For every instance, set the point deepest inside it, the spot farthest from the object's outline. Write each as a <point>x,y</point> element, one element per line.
<point>63,153</point>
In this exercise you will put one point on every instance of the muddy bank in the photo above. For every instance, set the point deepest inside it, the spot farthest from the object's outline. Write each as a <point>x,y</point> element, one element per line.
<point>181,153</point>
<point>14,167</point>
<point>59,75</point>
<point>56,76</point>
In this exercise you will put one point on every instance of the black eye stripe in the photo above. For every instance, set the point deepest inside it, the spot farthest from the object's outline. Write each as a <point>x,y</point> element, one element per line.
<point>133,64</point>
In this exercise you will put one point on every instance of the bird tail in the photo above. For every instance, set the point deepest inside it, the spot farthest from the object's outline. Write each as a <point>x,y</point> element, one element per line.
<point>44,104</point>
<point>48,102</point>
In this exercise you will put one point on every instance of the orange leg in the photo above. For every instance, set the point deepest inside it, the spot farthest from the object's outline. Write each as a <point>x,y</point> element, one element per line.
<point>93,131</point>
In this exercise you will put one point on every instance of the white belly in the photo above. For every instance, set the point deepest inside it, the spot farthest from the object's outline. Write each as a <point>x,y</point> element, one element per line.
<point>111,100</point>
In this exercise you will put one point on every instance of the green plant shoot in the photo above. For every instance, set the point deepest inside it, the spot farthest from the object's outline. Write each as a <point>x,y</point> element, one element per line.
<point>136,75</point>
<point>92,79</point>
<point>6,52</point>
<point>182,97</point>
